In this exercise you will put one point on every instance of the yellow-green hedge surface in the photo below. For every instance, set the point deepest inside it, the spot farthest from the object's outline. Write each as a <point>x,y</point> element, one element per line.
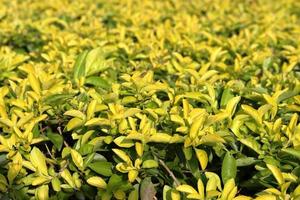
<point>154,99</point>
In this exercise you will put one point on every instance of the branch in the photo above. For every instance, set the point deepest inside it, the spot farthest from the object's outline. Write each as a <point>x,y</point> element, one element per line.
<point>177,183</point>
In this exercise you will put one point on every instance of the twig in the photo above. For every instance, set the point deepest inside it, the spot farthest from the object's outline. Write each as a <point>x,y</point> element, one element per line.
<point>177,183</point>
<point>60,132</point>
<point>49,152</point>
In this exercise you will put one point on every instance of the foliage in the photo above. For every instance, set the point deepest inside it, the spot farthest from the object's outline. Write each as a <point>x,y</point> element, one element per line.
<point>149,99</point>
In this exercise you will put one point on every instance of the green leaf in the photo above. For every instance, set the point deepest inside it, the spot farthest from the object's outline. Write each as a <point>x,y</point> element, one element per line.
<point>79,66</point>
<point>86,149</point>
<point>56,139</point>
<point>242,162</point>
<point>150,164</point>
<point>101,167</point>
<point>98,82</point>
<point>96,61</point>
<point>229,167</point>
<point>293,152</point>
<point>58,99</point>
<point>226,96</point>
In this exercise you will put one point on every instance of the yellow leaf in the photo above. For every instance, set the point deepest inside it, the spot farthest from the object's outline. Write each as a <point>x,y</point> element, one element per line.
<point>28,165</point>
<point>6,122</point>
<point>75,113</point>
<point>229,186</point>
<point>65,174</point>
<point>39,180</point>
<point>214,183</point>
<point>139,148</point>
<point>38,160</point>
<point>177,119</point>
<point>91,109</point>
<point>242,197</point>
<point>276,173</point>
<point>175,195</point>
<point>34,83</point>
<point>187,189</point>
<point>42,193</point>
<point>266,197</point>
<point>97,182</point>
<point>132,174</point>
<point>253,113</point>
<point>200,188</point>
<point>232,194</point>
<point>197,125</point>
<point>161,138</point>
<point>77,159</point>
<point>231,105</point>
<point>202,158</point>
<point>121,141</point>
<point>122,155</point>
<point>56,184</point>
<point>211,139</point>
<point>74,123</point>
<point>3,112</point>
<point>131,112</point>
<point>97,122</point>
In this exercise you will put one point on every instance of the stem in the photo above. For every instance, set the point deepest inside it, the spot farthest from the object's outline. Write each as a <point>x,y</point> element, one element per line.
<point>177,183</point>
<point>49,152</point>
<point>60,132</point>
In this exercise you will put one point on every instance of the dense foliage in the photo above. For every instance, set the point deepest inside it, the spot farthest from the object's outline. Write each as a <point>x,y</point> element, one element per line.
<point>156,99</point>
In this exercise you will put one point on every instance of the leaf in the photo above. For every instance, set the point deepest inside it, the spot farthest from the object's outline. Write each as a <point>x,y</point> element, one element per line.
<point>79,67</point>
<point>200,188</point>
<point>134,194</point>
<point>34,83</point>
<point>214,181</point>
<point>187,189</point>
<point>96,61</point>
<point>97,81</point>
<point>65,174</point>
<point>149,164</point>
<point>56,139</point>
<point>228,186</point>
<point>276,173</point>
<point>147,189</point>
<point>252,144</point>
<point>57,99</point>
<point>161,138</point>
<point>167,192</point>
<point>77,159</point>
<point>229,168</point>
<point>253,113</point>
<point>231,105</point>
<point>122,155</point>
<point>121,141</point>
<point>226,96</point>
<point>97,182</point>
<point>101,167</point>
<point>292,152</point>
<point>91,109</point>
<point>55,182</point>
<point>242,162</point>
<point>202,158</point>
<point>42,192</point>
<point>75,113</point>
<point>38,160</point>
<point>39,180</point>
<point>74,123</point>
